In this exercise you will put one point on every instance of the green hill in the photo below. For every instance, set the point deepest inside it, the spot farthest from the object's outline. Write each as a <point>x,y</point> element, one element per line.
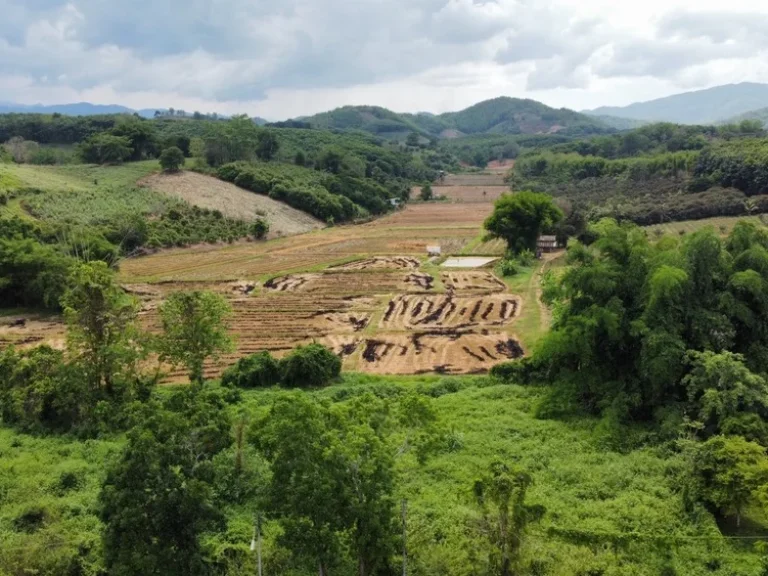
<point>501,116</point>
<point>760,114</point>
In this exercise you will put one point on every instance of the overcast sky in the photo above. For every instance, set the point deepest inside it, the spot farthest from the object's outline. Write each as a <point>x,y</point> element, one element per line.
<point>284,58</point>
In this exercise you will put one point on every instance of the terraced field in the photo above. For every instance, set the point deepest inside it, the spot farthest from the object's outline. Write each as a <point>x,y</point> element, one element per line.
<point>366,291</point>
<point>722,225</point>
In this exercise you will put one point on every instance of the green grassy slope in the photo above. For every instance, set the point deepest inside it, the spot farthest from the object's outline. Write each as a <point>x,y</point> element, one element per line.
<point>607,512</point>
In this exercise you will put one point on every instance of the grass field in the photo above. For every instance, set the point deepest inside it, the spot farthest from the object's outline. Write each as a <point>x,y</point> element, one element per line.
<point>77,177</point>
<point>605,512</point>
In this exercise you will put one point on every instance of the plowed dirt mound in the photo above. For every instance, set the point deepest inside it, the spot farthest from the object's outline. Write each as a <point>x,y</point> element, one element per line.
<point>233,202</point>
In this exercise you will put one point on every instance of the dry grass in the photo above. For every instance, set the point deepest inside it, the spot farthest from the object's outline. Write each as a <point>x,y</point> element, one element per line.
<point>233,202</point>
<point>465,194</point>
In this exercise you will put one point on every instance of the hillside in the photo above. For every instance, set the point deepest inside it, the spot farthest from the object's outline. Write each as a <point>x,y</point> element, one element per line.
<point>760,115</point>
<point>233,202</point>
<point>697,107</point>
<point>499,116</point>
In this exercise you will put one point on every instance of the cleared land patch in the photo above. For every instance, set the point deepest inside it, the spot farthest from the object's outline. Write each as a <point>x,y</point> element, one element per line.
<point>233,202</point>
<point>465,194</point>
<point>474,179</point>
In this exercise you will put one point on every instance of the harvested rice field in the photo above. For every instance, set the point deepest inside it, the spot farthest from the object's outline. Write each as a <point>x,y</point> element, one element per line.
<point>369,292</point>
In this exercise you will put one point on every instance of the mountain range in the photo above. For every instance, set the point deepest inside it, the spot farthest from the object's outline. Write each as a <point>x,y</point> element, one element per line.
<point>504,115</point>
<point>710,106</point>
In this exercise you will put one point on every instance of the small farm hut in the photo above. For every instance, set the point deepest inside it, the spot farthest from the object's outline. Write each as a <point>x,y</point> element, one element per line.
<point>434,251</point>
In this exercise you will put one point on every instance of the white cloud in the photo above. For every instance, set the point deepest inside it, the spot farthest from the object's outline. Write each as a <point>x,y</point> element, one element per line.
<point>293,57</point>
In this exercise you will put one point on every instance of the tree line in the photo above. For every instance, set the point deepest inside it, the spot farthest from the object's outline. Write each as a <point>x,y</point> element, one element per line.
<point>670,332</point>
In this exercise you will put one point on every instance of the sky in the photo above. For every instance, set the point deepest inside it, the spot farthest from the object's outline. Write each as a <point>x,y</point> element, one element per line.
<point>286,58</point>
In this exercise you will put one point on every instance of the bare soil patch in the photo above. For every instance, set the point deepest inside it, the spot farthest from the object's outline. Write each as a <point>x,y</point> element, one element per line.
<point>468,194</point>
<point>474,179</point>
<point>502,166</point>
<point>233,202</point>
<point>25,330</point>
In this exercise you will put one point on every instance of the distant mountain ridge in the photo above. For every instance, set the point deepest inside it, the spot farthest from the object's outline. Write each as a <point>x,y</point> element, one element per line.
<point>498,116</point>
<point>709,106</point>
<point>88,109</point>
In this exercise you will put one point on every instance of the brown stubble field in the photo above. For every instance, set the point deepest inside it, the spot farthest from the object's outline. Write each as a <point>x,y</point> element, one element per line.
<point>367,291</point>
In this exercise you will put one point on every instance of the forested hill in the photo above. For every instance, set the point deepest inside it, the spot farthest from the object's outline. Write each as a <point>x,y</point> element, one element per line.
<point>699,107</point>
<point>498,116</point>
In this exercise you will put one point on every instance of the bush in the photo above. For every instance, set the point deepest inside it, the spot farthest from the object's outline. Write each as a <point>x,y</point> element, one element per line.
<point>508,267</point>
<point>259,370</point>
<point>171,159</point>
<point>309,366</point>
<point>260,228</point>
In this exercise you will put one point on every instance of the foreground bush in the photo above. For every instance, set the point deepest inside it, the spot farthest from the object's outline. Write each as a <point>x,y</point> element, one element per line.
<point>259,370</point>
<point>311,365</point>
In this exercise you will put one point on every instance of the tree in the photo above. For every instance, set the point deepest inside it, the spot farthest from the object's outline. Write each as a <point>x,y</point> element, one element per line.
<point>721,388</point>
<point>727,473</point>
<point>332,480</point>
<point>140,135</point>
<point>102,337</point>
<point>158,498</point>
<point>330,160</point>
<point>500,496</point>
<point>300,159</point>
<point>520,218</point>
<point>194,329</point>
<point>304,490</point>
<point>310,365</point>
<point>106,149</point>
<point>267,145</point>
<point>171,159</point>
<point>426,192</point>
<point>412,140</point>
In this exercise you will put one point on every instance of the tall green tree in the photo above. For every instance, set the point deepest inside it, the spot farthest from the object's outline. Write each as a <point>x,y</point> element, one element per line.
<point>304,490</point>
<point>102,333</point>
<point>194,329</point>
<point>500,497</point>
<point>332,481</point>
<point>727,473</point>
<point>267,145</point>
<point>158,498</point>
<point>520,218</point>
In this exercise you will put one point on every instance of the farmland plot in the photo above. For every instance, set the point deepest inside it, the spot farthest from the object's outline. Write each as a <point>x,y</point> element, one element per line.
<point>449,311</point>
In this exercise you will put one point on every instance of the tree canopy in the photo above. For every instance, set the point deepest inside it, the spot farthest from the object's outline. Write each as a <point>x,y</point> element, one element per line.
<point>521,217</point>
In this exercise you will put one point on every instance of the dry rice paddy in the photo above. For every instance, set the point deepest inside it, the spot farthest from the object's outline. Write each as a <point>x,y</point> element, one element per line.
<point>366,291</point>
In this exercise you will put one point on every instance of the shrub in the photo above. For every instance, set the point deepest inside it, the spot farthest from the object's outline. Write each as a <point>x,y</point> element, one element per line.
<point>526,258</point>
<point>171,159</point>
<point>309,366</point>
<point>260,228</point>
<point>259,370</point>
<point>508,267</point>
